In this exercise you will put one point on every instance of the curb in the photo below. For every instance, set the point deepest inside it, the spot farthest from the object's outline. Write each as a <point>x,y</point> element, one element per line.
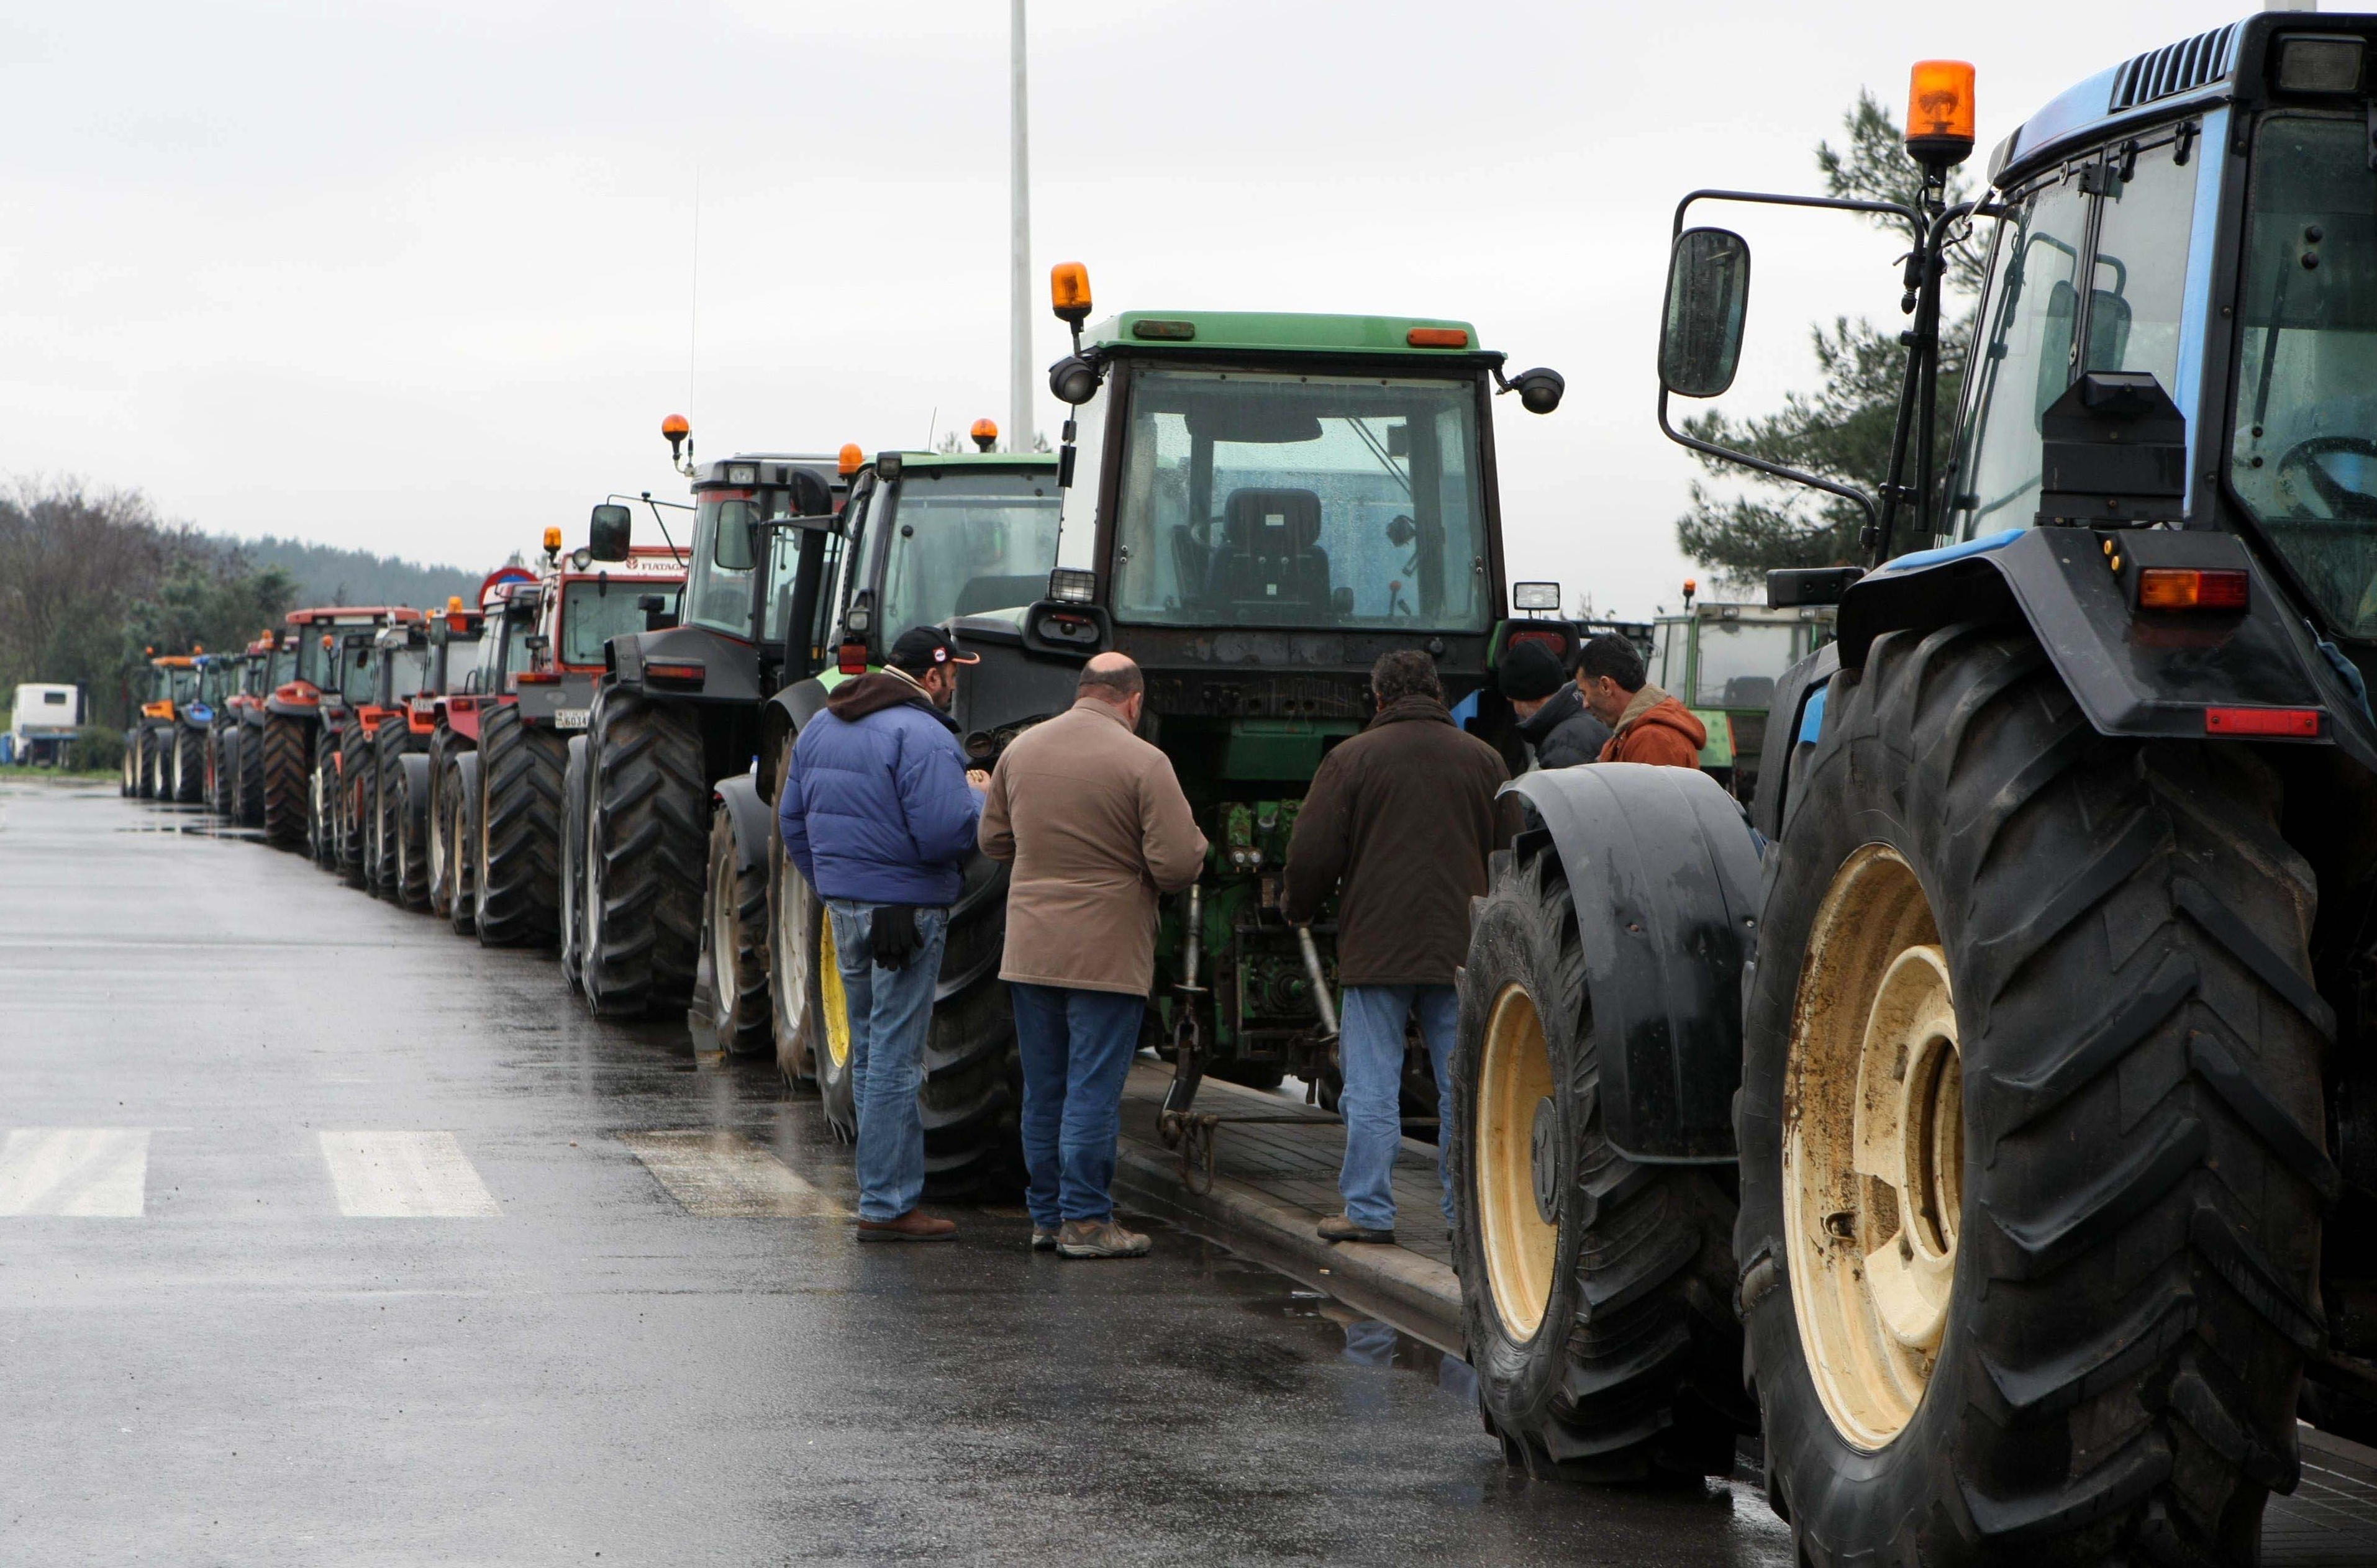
<point>1417,1294</point>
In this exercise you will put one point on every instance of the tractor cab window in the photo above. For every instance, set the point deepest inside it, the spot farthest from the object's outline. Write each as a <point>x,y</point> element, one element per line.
<point>2304,453</point>
<point>596,611</point>
<point>2025,359</point>
<point>1739,661</point>
<point>1270,498</point>
<point>408,672</point>
<point>312,658</point>
<point>717,583</point>
<point>285,663</point>
<point>461,655</point>
<point>960,543</point>
<point>358,678</point>
<point>183,688</point>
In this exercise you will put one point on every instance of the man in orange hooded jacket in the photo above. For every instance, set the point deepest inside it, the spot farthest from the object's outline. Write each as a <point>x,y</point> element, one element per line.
<point>1646,724</point>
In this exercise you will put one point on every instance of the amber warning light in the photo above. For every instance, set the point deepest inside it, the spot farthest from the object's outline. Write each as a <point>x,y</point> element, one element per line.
<point>985,433</point>
<point>1068,292</point>
<point>1939,113</point>
<point>851,461</point>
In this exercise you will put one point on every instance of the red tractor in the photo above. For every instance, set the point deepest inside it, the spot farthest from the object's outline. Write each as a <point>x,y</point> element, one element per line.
<point>505,619</point>
<point>328,651</point>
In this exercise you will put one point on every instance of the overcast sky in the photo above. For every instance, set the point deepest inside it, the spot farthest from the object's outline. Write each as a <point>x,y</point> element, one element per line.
<point>421,277</point>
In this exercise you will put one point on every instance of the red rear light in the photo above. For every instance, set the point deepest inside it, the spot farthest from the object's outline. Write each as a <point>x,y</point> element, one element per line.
<point>689,671</point>
<point>2187,587</point>
<point>1552,642</point>
<point>2295,723</point>
<point>553,677</point>
<point>1437,338</point>
<point>851,658</point>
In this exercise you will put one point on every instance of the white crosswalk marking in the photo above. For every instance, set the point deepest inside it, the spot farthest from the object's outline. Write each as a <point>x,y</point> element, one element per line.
<point>404,1176</point>
<point>724,1175</point>
<point>86,1171</point>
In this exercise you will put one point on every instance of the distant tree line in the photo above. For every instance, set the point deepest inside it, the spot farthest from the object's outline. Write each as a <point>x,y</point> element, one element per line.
<point>92,578</point>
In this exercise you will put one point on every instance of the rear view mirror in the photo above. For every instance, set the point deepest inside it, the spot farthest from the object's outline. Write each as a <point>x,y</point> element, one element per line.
<point>608,532</point>
<point>1708,299</point>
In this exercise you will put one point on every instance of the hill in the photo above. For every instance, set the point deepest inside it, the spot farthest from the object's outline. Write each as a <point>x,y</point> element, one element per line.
<point>327,574</point>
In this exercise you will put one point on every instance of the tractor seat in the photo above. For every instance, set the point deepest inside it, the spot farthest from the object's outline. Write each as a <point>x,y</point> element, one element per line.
<point>1270,552</point>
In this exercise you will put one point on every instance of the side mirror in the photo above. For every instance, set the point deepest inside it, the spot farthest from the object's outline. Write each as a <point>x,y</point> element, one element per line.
<point>811,495</point>
<point>608,532</point>
<point>1708,298</point>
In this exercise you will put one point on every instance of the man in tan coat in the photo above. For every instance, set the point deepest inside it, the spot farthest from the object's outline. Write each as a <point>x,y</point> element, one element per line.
<point>1096,826</point>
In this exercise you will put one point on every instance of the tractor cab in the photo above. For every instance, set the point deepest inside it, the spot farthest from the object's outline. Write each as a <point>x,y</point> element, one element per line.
<point>1255,507</point>
<point>583,604</point>
<point>1723,660</point>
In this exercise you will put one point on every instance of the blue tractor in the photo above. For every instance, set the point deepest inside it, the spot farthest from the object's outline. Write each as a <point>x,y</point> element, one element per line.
<point>2087,786</point>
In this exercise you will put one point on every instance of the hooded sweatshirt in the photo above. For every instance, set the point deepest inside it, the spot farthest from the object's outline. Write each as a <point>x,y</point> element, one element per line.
<point>1655,728</point>
<point>876,808</point>
<point>1562,734</point>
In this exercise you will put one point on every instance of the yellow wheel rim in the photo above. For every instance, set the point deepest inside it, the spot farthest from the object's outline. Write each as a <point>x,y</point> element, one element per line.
<point>1517,1160</point>
<point>1874,1148</point>
<point>830,997</point>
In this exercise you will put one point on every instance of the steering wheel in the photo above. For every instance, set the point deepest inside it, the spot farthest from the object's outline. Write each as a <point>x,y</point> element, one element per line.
<point>2341,500</point>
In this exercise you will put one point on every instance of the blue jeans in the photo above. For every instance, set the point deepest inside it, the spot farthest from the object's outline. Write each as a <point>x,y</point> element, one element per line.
<point>890,1012</point>
<point>1077,1047</point>
<point>1371,1044</point>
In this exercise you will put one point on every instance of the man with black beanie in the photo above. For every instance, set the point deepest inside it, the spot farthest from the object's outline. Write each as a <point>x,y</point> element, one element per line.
<point>1552,715</point>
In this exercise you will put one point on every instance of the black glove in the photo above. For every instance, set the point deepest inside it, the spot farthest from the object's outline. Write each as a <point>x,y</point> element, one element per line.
<point>894,937</point>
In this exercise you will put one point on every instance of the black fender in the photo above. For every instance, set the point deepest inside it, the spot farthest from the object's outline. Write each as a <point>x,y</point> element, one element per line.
<point>1664,872</point>
<point>412,768</point>
<point>781,719</point>
<point>466,774</point>
<point>282,707</point>
<point>754,819</point>
<point>1792,721</point>
<point>2133,671</point>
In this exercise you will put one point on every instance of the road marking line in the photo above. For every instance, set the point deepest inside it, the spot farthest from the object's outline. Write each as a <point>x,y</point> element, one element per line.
<point>404,1176</point>
<point>91,1172</point>
<point>724,1175</point>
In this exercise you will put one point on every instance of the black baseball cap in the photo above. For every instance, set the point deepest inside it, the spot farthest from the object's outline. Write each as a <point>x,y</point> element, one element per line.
<point>1530,672</point>
<point>921,647</point>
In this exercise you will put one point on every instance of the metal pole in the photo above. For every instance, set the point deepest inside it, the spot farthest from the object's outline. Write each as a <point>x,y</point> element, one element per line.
<point>1018,428</point>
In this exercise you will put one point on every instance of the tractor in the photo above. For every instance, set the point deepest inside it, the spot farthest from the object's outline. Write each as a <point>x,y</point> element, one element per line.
<point>2084,784</point>
<point>239,681</point>
<point>303,716</point>
<point>1255,507</point>
<point>342,763</point>
<point>219,675</point>
<point>925,538</point>
<point>581,603</point>
<point>680,706</point>
<point>499,635</point>
<point>1723,660</point>
<point>386,726</point>
<point>277,668</point>
<point>155,744</point>
<point>397,860</point>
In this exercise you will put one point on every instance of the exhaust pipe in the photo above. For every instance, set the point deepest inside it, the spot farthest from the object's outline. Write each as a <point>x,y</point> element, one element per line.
<point>1321,1000</point>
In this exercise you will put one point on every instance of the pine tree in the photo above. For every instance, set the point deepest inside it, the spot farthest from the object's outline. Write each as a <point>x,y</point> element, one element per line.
<point>1843,430</point>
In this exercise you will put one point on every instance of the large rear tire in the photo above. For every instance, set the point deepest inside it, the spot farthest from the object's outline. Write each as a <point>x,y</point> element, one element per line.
<point>573,863</point>
<point>458,804</point>
<point>409,868</point>
<point>1597,1293</point>
<point>792,973</point>
<point>248,797</point>
<point>2031,1124</point>
<point>287,760</point>
<point>519,841</point>
<point>189,764</point>
<point>128,787</point>
<point>648,825</point>
<point>735,923</point>
<point>973,1097</point>
<point>357,777</point>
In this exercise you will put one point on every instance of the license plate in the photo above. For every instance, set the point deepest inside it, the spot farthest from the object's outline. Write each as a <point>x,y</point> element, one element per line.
<point>569,717</point>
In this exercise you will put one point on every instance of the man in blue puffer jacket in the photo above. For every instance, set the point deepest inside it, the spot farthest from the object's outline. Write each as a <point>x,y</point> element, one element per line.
<point>879,814</point>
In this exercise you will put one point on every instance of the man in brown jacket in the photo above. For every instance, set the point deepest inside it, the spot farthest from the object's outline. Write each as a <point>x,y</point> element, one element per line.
<point>1398,824</point>
<point>1646,724</point>
<point>1096,826</point>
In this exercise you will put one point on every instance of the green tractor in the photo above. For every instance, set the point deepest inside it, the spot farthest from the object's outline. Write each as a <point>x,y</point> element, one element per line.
<point>1723,660</point>
<point>2003,1109</point>
<point>1256,508</point>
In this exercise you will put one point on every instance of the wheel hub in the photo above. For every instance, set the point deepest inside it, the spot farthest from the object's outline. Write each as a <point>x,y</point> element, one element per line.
<point>1873,1144</point>
<point>1543,1147</point>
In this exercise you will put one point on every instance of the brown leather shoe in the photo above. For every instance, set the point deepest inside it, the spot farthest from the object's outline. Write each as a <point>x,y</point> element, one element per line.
<point>914,1226</point>
<point>1338,1228</point>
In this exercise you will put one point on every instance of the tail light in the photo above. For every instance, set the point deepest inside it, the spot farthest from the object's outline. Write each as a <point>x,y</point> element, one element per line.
<point>685,672</point>
<point>851,658</point>
<point>553,677</point>
<point>2289,723</point>
<point>2188,587</point>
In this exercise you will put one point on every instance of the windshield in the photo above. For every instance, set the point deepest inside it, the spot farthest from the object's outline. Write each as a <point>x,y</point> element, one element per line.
<point>1266,498</point>
<point>961,542</point>
<point>594,612</point>
<point>184,685</point>
<point>2305,456</point>
<point>718,584</point>
<point>356,681</point>
<point>408,673</point>
<point>1739,662</point>
<point>462,657</point>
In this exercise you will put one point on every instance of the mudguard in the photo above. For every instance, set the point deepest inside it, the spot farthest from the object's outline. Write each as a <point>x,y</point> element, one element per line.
<point>1798,698</point>
<point>754,819</point>
<point>1664,872</point>
<point>413,767</point>
<point>2133,671</point>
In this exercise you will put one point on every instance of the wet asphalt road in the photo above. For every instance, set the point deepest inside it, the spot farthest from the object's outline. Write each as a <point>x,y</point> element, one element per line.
<point>554,1356</point>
